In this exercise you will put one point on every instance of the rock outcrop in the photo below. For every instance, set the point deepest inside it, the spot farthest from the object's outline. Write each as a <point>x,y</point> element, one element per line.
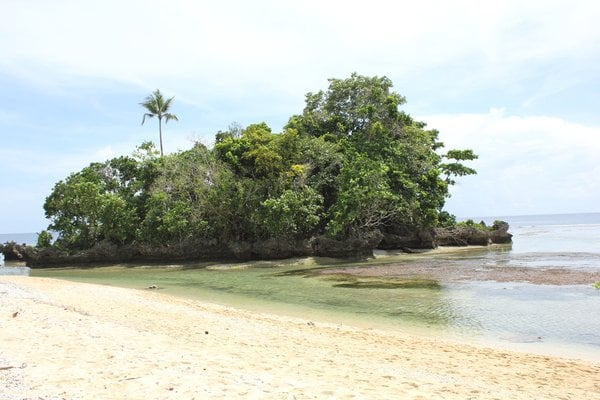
<point>109,253</point>
<point>419,239</point>
<point>473,235</point>
<point>500,233</point>
<point>16,252</point>
<point>354,247</point>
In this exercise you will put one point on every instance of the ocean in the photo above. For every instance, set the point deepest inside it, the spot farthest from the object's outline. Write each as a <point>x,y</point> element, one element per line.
<point>545,318</point>
<point>20,238</point>
<point>570,233</point>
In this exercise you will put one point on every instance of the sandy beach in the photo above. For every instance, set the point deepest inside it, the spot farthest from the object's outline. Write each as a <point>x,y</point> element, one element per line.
<point>64,340</point>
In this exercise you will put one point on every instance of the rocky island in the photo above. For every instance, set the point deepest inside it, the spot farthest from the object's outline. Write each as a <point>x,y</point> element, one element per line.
<point>351,174</point>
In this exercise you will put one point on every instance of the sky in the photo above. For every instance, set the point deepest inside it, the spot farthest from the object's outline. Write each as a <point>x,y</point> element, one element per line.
<point>518,82</point>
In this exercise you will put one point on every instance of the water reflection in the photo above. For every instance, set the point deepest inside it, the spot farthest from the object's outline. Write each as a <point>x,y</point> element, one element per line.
<point>14,270</point>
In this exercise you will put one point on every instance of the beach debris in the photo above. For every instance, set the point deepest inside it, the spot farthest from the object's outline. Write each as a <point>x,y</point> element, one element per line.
<point>206,332</point>
<point>14,315</point>
<point>129,379</point>
<point>6,368</point>
<point>152,287</point>
<point>310,323</point>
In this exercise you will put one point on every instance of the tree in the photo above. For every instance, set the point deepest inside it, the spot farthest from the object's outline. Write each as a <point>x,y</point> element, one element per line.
<point>295,213</point>
<point>158,107</point>
<point>389,176</point>
<point>177,207</point>
<point>103,201</point>
<point>75,207</point>
<point>44,239</point>
<point>456,168</point>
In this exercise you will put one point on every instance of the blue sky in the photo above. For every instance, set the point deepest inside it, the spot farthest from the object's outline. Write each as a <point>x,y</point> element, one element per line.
<point>516,81</point>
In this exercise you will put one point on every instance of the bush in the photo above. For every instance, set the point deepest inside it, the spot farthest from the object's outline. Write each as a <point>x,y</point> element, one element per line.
<point>44,239</point>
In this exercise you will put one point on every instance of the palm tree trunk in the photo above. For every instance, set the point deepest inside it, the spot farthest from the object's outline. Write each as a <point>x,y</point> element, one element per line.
<point>160,135</point>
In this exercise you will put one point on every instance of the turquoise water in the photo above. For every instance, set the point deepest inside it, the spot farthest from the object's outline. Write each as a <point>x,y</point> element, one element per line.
<point>546,318</point>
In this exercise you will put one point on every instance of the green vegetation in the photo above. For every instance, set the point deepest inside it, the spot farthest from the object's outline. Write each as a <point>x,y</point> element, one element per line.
<point>597,285</point>
<point>481,226</point>
<point>44,239</point>
<point>350,164</point>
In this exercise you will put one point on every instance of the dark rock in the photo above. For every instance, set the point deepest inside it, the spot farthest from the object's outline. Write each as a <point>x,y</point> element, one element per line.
<point>356,247</point>
<point>240,250</point>
<point>109,253</point>
<point>462,237</point>
<point>271,249</point>
<point>16,252</point>
<point>419,239</point>
<point>472,236</point>
<point>500,234</point>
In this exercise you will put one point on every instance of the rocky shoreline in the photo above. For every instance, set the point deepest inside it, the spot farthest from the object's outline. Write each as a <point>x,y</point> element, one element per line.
<point>321,246</point>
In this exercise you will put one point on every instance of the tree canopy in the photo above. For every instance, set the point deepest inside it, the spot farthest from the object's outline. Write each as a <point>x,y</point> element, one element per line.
<point>352,162</point>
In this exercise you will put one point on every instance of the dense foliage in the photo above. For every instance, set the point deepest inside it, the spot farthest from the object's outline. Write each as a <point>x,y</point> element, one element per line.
<point>350,164</point>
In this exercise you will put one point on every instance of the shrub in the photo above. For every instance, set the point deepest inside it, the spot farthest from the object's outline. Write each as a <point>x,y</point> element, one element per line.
<point>44,239</point>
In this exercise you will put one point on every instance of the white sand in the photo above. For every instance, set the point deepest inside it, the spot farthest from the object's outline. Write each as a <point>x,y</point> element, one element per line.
<point>64,340</point>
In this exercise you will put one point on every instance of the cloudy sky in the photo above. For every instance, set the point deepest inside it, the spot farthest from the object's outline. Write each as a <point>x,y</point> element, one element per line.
<point>516,81</point>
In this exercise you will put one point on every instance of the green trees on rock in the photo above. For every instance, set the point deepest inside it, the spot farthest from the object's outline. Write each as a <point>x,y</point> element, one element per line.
<point>292,214</point>
<point>390,174</point>
<point>350,164</point>
<point>104,201</point>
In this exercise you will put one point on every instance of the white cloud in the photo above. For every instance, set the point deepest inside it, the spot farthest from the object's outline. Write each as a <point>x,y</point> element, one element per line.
<point>526,165</point>
<point>233,47</point>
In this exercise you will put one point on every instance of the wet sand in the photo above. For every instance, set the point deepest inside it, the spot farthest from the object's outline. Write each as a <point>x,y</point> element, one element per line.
<point>65,340</point>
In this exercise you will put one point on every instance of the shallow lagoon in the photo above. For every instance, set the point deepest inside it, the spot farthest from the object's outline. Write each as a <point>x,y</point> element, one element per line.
<point>563,319</point>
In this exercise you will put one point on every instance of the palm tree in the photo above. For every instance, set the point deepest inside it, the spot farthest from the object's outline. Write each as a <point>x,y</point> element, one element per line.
<point>158,107</point>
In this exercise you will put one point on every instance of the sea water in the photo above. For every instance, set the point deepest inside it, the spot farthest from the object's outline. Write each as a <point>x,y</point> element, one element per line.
<point>19,238</point>
<point>545,318</point>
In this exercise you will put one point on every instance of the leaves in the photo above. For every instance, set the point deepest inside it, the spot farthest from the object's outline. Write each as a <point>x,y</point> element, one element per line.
<point>456,168</point>
<point>295,213</point>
